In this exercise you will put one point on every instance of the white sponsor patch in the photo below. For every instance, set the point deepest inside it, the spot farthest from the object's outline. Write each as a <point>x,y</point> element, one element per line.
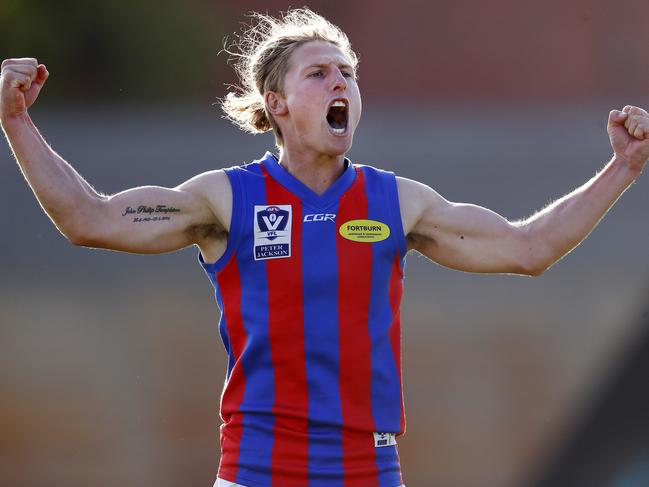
<point>384,439</point>
<point>272,227</point>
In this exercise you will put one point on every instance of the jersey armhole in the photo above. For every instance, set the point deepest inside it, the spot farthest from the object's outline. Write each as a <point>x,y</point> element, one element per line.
<point>395,212</point>
<point>235,223</point>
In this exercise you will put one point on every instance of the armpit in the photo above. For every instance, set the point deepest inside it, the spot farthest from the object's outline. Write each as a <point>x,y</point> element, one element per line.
<point>206,231</point>
<point>416,241</point>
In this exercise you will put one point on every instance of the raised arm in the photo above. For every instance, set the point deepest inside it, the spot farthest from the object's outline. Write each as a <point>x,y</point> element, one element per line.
<point>148,219</point>
<point>474,239</point>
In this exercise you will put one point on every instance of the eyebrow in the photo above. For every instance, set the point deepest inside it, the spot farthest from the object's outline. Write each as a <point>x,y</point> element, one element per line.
<point>326,65</point>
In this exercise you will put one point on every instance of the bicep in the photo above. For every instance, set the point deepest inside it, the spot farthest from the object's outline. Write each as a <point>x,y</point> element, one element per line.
<point>466,237</point>
<point>148,219</point>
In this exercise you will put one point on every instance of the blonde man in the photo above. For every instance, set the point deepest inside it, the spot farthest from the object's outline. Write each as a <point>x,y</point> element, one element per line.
<point>306,252</point>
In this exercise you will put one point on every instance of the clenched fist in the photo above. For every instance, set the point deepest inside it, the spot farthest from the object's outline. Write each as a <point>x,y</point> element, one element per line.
<point>628,130</point>
<point>20,82</point>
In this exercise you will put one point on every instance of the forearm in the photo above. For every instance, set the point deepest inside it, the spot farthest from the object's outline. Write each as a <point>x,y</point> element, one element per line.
<point>560,227</point>
<point>62,192</point>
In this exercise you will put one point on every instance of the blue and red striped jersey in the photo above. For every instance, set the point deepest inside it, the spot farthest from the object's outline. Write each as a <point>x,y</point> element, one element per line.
<point>310,291</point>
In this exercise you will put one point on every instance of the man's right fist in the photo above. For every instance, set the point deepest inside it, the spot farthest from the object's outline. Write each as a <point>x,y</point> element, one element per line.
<point>20,82</point>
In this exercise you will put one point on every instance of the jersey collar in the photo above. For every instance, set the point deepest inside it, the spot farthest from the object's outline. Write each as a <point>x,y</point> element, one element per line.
<point>295,186</point>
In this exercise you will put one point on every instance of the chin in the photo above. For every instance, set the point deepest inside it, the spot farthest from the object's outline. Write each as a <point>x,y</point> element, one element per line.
<point>339,146</point>
<point>338,149</point>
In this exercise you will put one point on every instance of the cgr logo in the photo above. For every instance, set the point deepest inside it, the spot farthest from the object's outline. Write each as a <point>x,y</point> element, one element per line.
<point>320,217</point>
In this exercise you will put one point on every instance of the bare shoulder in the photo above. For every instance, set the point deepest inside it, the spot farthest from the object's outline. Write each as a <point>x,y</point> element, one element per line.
<point>415,199</point>
<point>214,190</point>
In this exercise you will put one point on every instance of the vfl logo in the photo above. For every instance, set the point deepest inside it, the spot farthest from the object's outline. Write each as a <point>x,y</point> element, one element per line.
<point>271,220</point>
<point>272,230</point>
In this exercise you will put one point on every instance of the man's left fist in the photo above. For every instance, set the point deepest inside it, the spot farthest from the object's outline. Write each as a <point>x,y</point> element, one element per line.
<point>637,122</point>
<point>628,130</point>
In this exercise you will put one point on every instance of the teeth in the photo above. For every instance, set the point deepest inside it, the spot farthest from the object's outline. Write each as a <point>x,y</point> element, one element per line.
<point>338,104</point>
<point>338,131</point>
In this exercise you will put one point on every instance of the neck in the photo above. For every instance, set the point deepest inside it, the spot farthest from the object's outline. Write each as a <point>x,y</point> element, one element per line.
<point>315,171</point>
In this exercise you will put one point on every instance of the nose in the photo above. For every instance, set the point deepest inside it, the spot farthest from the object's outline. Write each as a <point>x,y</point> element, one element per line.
<point>340,83</point>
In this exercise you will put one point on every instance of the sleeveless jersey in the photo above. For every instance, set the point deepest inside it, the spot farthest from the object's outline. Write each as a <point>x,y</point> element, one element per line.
<point>310,290</point>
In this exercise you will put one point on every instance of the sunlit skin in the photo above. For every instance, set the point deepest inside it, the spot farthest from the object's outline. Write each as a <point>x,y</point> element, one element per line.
<point>319,72</point>
<point>460,236</point>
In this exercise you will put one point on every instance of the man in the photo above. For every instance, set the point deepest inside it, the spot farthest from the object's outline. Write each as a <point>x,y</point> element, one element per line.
<point>306,251</point>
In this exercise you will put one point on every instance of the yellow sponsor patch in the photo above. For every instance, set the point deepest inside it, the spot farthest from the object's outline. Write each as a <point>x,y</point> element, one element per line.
<point>364,231</point>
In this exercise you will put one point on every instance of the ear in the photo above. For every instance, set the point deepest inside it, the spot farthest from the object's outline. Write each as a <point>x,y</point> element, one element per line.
<point>275,103</point>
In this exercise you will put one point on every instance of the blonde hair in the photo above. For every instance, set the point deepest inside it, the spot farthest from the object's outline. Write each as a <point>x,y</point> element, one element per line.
<point>261,56</point>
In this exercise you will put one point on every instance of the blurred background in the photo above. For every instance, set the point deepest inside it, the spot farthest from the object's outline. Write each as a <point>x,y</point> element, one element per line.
<point>111,367</point>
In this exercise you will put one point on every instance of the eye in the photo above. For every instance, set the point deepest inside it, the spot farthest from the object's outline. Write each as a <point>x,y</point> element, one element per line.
<point>347,74</point>
<point>316,74</point>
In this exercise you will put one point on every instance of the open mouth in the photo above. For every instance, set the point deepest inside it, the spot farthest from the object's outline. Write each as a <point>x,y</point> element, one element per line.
<point>337,117</point>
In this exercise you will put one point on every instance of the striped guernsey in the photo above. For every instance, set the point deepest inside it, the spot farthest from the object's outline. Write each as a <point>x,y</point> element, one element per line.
<point>310,322</point>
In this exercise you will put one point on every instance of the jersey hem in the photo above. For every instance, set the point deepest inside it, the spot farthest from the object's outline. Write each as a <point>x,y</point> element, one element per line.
<point>237,479</point>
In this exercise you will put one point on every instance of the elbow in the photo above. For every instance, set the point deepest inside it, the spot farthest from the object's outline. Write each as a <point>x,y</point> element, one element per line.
<point>71,229</point>
<point>529,267</point>
<point>75,234</point>
<point>535,271</point>
<point>78,239</point>
<point>79,228</point>
<point>85,236</point>
<point>536,257</point>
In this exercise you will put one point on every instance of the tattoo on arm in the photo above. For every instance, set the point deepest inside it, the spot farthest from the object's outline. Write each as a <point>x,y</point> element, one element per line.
<point>145,213</point>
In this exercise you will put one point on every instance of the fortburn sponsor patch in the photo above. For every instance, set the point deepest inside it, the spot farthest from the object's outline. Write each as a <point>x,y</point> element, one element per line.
<point>364,231</point>
<point>272,231</point>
